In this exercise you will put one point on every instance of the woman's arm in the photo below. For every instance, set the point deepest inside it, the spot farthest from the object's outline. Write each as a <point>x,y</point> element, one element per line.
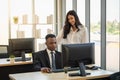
<point>60,37</point>
<point>85,38</point>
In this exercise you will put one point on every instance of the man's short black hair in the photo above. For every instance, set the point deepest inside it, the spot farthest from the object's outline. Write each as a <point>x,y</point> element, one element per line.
<point>50,36</point>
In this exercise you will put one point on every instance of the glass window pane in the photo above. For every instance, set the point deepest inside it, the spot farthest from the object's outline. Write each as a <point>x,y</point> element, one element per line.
<point>44,12</point>
<point>43,9</point>
<point>95,31</point>
<point>20,15</point>
<point>19,8</point>
<point>68,5</point>
<point>81,10</point>
<point>31,18</point>
<point>113,35</point>
<point>4,22</point>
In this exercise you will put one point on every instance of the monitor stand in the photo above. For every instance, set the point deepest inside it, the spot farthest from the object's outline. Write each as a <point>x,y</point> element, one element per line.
<point>23,56</point>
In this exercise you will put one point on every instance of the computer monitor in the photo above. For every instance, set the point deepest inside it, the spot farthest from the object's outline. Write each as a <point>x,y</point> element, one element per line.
<point>21,45</point>
<point>73,54</point>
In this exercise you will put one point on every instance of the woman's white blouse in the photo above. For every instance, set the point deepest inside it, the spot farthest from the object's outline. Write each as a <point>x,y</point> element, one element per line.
<point>74,37</point>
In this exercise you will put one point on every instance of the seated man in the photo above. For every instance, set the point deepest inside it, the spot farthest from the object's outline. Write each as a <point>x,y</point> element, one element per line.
<point>43,60</point>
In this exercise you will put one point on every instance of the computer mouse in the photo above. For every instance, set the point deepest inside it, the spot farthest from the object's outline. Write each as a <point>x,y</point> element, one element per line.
<point>94,67</point>
<point>8,59</point>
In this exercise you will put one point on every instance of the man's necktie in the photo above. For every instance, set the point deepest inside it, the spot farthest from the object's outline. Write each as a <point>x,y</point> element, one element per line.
<point>53,60</point>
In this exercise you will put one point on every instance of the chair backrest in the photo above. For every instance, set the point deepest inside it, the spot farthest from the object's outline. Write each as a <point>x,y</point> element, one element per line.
<point>4,51</point>
<point>115,76</point>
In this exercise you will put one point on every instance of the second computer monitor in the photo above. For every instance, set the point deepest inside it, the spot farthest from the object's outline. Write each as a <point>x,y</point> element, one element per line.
<point>75,53</point>
<point>21,45</point>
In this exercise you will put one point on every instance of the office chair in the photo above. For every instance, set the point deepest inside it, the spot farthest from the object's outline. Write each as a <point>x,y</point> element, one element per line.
<point>115,76</point>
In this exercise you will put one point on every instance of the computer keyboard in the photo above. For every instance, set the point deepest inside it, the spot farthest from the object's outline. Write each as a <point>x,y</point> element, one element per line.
<point>73,69</point>
<point>63,70</point>
<point>20,59</point>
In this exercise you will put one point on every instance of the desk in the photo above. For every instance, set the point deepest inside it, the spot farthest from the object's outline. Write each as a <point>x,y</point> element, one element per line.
<point>7,68</point>
<point>4,62</point>
<point>58,76</point>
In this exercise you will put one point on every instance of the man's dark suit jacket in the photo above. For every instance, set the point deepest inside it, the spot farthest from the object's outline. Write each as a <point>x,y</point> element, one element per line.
<point>41,59</point>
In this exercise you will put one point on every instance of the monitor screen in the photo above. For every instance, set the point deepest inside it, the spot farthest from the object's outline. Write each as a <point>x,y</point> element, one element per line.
<point>21,45</point>
<point>75,53</point>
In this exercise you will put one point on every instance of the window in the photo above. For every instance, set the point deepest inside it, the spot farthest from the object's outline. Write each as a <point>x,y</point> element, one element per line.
<point>31,18</point>
<point>113,35</point>
<point>4,23</point>
<point>20,18</point>
<point>68,5</point>
<point>95,28</point>
<point>44,10</point>
<point>81,10</point>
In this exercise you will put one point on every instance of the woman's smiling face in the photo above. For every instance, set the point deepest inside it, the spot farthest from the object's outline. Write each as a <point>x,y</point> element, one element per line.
<point>71,19</point>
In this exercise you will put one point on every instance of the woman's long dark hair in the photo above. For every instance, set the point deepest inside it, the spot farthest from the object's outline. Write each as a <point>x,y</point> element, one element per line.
<point>67,25</point>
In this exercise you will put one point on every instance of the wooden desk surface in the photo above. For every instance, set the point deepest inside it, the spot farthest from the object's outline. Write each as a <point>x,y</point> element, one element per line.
<point>93,75</point>
<point>58,76</point>
<point>4,62</point>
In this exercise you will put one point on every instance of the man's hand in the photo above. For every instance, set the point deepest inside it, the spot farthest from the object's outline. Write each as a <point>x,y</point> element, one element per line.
<point>45,70</point>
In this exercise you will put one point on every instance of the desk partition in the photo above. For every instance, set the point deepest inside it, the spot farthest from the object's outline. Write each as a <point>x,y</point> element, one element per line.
<point>6,68</point>
<point>4,51</point>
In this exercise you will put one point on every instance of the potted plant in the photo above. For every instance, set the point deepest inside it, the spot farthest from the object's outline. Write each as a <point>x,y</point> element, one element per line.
<point>12,58</point>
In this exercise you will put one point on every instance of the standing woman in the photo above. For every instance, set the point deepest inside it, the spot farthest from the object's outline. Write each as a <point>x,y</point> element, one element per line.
<point>73,31</point>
